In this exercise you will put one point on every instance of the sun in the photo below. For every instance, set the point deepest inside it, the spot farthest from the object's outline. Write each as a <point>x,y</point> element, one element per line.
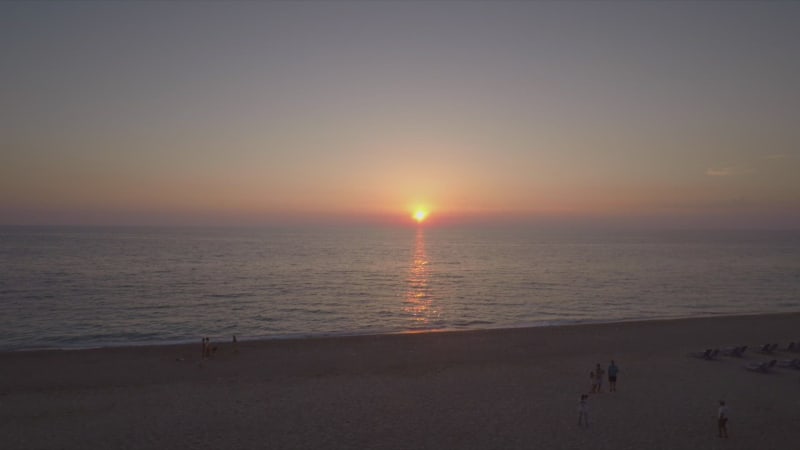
<point>420,215</point>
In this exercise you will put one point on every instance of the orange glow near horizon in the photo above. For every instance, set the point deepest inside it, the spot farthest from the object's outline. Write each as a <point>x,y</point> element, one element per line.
<point>420,215</point>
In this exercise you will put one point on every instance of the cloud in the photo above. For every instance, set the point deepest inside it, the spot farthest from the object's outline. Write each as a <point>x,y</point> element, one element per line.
<point>778,156</point>
<point>727,171</point>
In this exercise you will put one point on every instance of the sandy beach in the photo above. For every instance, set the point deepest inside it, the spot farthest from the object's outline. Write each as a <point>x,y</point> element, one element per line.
<point>495,389</point>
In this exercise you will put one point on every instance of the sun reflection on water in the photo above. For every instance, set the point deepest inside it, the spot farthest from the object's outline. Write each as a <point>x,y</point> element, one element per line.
<point>418,304</point>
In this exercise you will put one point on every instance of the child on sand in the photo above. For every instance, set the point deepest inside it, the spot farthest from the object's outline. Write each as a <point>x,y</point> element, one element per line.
<point>583,411</point>
<point>599,372</point>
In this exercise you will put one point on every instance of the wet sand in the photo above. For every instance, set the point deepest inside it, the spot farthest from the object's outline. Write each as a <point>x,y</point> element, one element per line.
<point>495,389</point>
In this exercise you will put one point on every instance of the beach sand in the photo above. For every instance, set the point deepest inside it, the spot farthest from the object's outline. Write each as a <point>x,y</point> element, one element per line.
<point>494,389</point>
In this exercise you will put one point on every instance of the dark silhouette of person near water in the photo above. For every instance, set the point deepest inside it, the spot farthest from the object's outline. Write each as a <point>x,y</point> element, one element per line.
<point>208,350</point>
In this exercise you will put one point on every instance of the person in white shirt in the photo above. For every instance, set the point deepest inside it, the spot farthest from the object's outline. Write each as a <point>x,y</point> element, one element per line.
<point>599,372</point>
<point>722,419</point>
<point>583,411</point>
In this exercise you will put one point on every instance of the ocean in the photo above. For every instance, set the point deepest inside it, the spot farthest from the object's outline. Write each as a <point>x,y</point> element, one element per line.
<point>75,287</point>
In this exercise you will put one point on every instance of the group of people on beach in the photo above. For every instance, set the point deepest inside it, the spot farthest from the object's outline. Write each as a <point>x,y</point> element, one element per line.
<point>596,377</point>
<point>209,350</point>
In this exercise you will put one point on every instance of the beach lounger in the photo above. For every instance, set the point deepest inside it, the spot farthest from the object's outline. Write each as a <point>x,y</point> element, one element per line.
<point>734,351</point>
<point>789,363</point>
<point>768,348</point>
<point>763,366</point>
<point>709,354</point>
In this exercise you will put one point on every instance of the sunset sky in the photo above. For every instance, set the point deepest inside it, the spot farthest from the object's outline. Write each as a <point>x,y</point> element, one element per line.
<point>659,114</point>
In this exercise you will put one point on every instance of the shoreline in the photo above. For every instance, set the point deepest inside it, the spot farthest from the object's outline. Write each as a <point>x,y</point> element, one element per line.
<point>312,336</point>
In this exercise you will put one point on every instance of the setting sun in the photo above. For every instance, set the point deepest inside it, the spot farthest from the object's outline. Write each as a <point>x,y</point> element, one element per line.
<point>420,215</point>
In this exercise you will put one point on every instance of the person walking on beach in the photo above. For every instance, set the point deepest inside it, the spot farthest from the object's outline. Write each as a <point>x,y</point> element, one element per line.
<point>593,379</point>
<point>599,372</point>
<point>722,420</point>
<point>613,370</point>
<point>583,411</point>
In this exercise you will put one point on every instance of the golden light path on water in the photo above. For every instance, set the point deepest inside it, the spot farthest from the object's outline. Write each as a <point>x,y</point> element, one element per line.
<point>418,304</point>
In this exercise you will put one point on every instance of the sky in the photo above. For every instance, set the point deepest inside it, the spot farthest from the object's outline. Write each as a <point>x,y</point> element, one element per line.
<point>671,114</point>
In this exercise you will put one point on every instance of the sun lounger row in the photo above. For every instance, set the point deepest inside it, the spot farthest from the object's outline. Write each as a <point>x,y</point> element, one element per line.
<point>765,366</point>
<point>712,353</point>
<point>789,363</point>
<point>756,366</point>
<point>772,348</point>
<point>762,366</point>
<point>738,352</point>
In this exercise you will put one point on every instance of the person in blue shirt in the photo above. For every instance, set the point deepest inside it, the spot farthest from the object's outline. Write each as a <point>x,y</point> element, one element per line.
<point>613,370</point>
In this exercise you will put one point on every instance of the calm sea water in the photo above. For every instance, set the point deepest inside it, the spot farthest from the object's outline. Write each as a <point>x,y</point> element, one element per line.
<point>85,287</point>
